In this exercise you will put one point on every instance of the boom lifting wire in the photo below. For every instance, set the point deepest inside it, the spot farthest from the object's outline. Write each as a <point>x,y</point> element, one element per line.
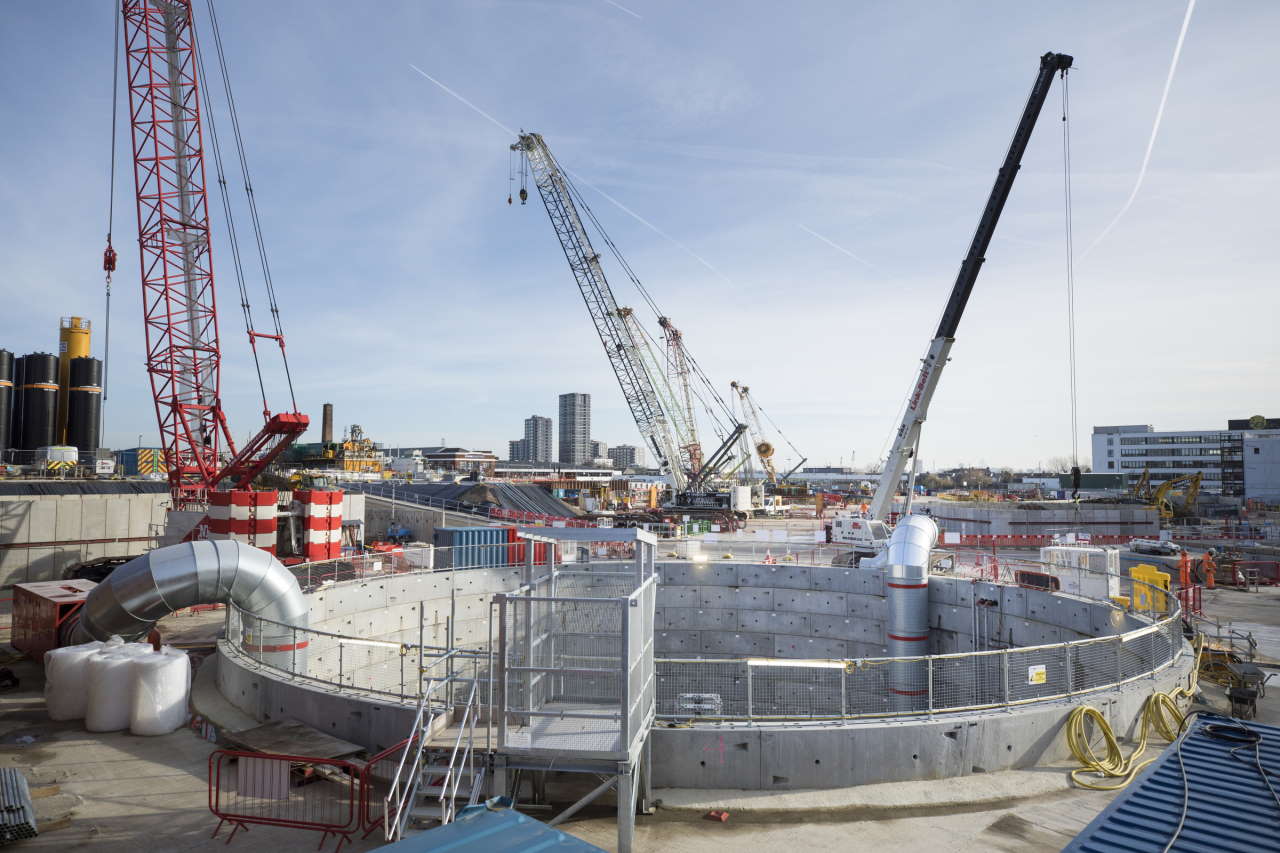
<point>648,298</point>
<point>273,303</point>
<point>109,254</point>
<point>1071,278</point>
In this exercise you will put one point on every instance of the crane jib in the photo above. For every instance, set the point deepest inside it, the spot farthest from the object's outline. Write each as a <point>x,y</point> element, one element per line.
<point>1050,64</point>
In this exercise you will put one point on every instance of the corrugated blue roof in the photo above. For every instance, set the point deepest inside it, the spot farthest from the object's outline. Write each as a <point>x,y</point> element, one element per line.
<point>1229,806</point>
<point>483,829</point>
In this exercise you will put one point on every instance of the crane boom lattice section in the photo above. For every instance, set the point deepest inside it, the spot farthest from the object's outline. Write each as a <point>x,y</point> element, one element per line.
<point>619,343</point>
<point>180,315</point>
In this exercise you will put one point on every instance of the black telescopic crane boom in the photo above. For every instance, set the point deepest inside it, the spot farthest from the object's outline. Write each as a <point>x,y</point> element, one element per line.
<point>1050,64</point>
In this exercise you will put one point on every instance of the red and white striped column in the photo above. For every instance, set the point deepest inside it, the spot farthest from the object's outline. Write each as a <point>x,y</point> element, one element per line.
<point>245,516</point>
<point>321,523</point>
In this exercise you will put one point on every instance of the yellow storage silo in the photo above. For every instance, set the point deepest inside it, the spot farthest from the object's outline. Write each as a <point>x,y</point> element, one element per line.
<point>73,342</point>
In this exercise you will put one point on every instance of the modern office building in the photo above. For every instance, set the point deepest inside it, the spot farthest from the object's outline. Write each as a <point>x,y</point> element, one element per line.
<point>1239,461</point>
<point>575,429</point>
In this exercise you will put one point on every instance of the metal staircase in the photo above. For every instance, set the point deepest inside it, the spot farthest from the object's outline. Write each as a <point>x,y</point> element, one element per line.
<point>439,767</point>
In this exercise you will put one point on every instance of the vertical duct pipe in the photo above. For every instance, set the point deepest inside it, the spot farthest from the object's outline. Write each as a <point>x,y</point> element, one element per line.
<point>326,424</point>
<point>907,599</point>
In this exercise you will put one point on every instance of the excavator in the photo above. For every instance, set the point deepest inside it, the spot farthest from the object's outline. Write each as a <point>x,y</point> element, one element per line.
<point>1168,510</point>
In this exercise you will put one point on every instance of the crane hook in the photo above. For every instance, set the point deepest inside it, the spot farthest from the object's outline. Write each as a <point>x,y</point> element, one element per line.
<point>109,258</point>
<point>508,198</point>
<point>524,195</point>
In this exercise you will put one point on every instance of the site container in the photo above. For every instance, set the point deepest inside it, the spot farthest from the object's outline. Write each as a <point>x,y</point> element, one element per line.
<point>471,547</point>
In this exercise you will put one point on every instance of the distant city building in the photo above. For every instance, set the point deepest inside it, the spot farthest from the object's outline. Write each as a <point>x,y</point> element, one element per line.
<point>1240,461</point>
<point>537,432</point>
<point>626,456</point>
<point>575,429</point>
<point>599,450</point>
<point>536,444</point>
<point>451,458</point>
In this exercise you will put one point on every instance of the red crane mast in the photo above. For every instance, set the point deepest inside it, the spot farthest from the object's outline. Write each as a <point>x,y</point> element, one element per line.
<point>179,306</point>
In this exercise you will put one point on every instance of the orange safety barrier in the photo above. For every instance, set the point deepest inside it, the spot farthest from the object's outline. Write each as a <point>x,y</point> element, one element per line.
<point>292,791</point>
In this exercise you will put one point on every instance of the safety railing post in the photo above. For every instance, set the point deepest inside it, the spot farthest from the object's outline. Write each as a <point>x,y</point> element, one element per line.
<point>293,658</point>
<point>1004,674</point>
<point>747,664</point>
<point>339,663</point>
<point>502,668</point>
<point>1066,664</point>
<point>929,673</point>
<point>1119,664</point>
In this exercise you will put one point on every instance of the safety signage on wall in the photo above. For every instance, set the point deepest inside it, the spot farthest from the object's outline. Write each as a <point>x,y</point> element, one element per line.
<point>1037,674</point>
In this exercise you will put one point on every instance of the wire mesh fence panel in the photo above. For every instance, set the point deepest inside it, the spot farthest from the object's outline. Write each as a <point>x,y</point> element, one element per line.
<point>796,690</point>
<point>968,681</point>
<point>701,688</point>
<point>1036,673</point>
<point>1135,654</point>
<point>1094,664</point>
<point>866,688</point>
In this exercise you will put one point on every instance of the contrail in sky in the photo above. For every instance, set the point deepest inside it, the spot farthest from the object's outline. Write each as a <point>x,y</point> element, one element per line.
<point>491,119</point>
<point>623,8</point>
<point>637,217</point>
<point>836,246</point>
<point>1155,129</point>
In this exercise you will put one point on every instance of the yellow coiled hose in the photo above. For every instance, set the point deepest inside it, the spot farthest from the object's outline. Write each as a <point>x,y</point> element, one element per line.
<point>1160,714</point>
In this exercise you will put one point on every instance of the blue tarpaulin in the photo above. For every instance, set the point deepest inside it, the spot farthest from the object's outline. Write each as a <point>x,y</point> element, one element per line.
<point>490,828</point>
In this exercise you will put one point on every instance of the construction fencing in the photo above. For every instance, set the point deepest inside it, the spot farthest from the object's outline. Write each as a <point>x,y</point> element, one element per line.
<point>295,792</point>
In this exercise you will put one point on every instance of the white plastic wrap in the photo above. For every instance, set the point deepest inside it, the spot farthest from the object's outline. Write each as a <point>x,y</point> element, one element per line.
<point>66,671</point>
<point>161,685</point>
<point>110,691</point>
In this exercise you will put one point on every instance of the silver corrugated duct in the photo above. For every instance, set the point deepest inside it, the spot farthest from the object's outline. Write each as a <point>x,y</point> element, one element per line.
<point>907,599</point>
<point>143,590</point>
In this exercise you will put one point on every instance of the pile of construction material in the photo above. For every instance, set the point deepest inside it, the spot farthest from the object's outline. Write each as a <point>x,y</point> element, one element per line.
<point>115,685</point>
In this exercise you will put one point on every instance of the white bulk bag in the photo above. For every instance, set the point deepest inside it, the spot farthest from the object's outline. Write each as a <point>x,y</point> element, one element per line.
<point>66,687</point>
<point>110,691</point>
<point>161,684</point>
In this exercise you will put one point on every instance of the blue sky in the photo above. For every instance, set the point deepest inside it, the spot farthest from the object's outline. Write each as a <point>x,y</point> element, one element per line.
<point>424,307</point>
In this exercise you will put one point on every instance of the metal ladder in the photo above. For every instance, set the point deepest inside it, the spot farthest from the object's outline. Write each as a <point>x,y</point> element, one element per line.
<point>429,780</point>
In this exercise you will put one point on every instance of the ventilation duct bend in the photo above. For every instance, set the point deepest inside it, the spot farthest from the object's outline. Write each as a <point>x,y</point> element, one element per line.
<point>136,595</point>
<point>907,595</point>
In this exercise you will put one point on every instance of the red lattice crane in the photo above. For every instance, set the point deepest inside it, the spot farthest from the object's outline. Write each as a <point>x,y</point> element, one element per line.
<point>179,307</point>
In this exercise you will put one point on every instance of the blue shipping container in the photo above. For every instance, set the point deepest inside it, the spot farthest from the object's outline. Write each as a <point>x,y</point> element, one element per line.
<point>471,547</point>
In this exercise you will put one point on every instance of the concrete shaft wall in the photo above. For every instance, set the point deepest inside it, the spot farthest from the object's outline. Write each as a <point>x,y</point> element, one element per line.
<point>42,536</point>
<point>778,756</point>
<point>999,519</point>
<point>790,611</point>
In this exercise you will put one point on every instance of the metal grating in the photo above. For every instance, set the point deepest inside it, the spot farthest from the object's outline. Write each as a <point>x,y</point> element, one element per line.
<point>1229,807</point>
<point>17,816</point>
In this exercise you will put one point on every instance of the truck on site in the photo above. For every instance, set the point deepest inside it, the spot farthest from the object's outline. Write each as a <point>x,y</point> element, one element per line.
<point>870,530</point>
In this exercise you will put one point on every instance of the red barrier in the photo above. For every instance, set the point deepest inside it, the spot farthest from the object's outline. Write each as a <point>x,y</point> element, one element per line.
<point>319,794</point>
<point>1268,570</point>
<point>375,782</point>
<point>1190,598</point>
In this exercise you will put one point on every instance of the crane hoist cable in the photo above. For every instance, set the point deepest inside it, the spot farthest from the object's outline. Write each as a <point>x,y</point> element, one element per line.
<point>1071,273</point>
<point>109,253</point>
<point>256,223</point>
